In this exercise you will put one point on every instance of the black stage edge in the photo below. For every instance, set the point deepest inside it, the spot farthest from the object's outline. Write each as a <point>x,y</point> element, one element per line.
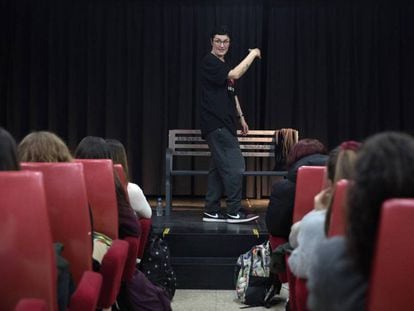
<point>204,254</point>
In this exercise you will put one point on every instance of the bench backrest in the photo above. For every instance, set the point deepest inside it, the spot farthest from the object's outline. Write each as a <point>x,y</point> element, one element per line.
<point>184,142</point>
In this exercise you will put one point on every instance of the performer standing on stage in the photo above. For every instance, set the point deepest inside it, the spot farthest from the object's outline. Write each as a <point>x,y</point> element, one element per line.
<point>220,111</point>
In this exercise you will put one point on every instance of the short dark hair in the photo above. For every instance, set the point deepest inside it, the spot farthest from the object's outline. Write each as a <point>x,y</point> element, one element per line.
<point>8,154</point>
<point>220,30</point>
<point>92,147</point>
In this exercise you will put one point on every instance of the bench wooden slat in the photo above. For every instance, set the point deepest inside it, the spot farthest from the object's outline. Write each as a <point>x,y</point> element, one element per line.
<point>246,173</point>
<point>191,146</point>
<point>239,138</point>
<point>189,139</point>
<point>192,153</point>
<point>256,140</point>
<point>257,147</point>
<point>207,153</point>
<point>195,147</point>
<point>194,131</point>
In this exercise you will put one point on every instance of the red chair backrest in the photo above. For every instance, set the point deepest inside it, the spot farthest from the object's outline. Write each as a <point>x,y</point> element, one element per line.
<point>337,223</point>
<point>67,204</point>
<point>309,182</point>
<point>391,285</point>
<point>100,187</point>
<point>27,260</point>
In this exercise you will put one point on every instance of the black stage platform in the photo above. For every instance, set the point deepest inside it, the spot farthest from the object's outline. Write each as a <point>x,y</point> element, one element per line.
<point>204,254</point>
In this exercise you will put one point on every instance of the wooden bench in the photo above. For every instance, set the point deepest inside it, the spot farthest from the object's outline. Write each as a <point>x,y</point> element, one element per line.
<point>183,142</point>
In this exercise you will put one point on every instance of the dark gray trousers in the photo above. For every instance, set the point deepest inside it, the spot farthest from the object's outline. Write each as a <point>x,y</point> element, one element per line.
<point>225,173</point>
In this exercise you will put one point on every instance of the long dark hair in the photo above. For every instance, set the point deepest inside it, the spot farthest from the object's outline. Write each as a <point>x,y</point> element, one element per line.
<point>118,154</point>
<point>384,169</point>
<point>8,154</point>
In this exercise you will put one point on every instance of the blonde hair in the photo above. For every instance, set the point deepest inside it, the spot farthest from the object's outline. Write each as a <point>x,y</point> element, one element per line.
<point>43,146</point>
<point>285,139</point>
<point>345,164</point>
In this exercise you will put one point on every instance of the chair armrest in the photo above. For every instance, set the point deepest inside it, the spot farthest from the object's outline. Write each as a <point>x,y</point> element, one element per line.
<point>131,262</point>
<point>112,269</point>
<point>145,231</point>
<point>86,295</point>
<point>31,304</point>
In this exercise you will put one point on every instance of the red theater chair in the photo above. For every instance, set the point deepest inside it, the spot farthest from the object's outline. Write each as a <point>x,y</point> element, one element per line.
<point>70,224</point>
<point>337,222</point>
<point>144,223</point>
<point>27,260</point>
<point>391,284</point>
<point>100,186</point>
<point>67,205</point>
<point>99,179</point>
<point>309,182</point>
<point>145,231</point>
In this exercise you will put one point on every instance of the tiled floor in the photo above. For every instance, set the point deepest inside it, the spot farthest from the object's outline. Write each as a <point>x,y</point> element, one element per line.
<point>215,300</point>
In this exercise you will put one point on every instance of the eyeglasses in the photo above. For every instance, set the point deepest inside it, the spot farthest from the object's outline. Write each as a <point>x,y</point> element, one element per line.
<point>219,42</point>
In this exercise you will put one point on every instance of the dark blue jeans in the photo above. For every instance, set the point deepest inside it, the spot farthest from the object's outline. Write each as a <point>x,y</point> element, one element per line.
<point>225,173</point>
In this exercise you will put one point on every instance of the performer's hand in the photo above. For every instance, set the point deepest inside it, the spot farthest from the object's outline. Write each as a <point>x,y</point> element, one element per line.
<point>245,127</point>
<point>257,52</point>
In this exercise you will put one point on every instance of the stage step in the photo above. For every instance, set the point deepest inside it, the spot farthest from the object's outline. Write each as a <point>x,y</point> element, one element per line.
<point>204,255</point>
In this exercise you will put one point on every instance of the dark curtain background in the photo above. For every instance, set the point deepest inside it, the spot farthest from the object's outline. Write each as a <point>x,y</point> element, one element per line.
<point>128,69</point>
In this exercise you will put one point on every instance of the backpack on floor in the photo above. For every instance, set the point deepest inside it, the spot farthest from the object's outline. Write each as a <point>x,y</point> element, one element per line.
<point>255,285</point>
<point>140,294</point>
<point>156,264</point>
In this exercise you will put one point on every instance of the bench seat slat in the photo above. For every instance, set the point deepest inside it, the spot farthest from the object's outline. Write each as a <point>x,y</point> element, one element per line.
<point>240,139</point>
<point>262,154</point>
<point>189,147</point>
<point>246,173</point>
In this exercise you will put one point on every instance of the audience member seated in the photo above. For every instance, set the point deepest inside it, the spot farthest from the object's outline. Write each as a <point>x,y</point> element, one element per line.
<point>306,234</point>
<point>135,293</point>
<point>310,152</point>
<point>339,274</point>
<point>136,196</point>
<point>8,157</point>
<point>43,146</point>
<point>92,147</point>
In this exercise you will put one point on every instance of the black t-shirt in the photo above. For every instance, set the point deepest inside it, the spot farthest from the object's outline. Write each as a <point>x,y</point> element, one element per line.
<point>218,107</point>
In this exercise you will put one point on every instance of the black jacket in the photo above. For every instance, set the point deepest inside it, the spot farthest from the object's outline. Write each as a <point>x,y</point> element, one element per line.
<point>279,213</point>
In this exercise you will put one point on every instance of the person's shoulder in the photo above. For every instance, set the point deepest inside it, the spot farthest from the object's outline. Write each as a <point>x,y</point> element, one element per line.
<point>331,263</point>
<point>314,216</point>
<point>209,56</point>
<point>133,187</point>
<point>332,251</point>
<point>210,60</point>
